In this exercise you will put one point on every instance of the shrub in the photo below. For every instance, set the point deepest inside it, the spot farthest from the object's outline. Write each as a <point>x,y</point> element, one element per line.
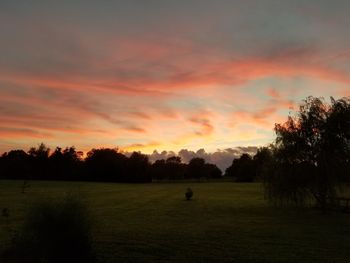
<point>55,231</point>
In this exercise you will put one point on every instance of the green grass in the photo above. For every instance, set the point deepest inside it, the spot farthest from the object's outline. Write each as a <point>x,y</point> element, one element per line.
<point>225,222</point>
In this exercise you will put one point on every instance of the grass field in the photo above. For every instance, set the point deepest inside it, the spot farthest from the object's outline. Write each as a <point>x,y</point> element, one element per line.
<point>225,222</point>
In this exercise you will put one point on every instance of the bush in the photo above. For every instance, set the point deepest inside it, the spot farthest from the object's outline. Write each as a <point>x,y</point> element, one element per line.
<point>56,231</point>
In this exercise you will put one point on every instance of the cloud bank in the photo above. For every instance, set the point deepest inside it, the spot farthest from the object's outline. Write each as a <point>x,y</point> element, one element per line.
<point>222,158</point>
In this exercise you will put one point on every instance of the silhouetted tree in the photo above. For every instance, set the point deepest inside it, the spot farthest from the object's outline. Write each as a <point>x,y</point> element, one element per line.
<point>66,164</point>
<point>170,169</point>
<point>212,171</point>
<point>263,160</point>
<point>174,159</point>
<point>39,162</point>
<point>42,152</point>
<point>158,170</point>
<point>242,169</point>
<point>105,165</point>
<point>15,165</point>
<point>196,168</point>
<point>175,169</point>
<point>138,168</point>
<point>311,155</point>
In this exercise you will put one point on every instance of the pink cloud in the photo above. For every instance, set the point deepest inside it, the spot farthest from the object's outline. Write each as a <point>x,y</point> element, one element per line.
<point>155,93</point>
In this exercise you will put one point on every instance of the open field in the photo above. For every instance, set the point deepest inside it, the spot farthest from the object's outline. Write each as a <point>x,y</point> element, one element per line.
<point>225,222</point>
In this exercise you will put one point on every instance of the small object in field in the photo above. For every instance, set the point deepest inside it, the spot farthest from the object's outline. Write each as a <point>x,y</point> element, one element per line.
<point>5,212</point>
<point>189,194</point>
<point>25,185</point>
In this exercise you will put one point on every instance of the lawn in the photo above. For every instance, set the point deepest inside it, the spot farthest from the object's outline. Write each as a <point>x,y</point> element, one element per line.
<point>225,222</point>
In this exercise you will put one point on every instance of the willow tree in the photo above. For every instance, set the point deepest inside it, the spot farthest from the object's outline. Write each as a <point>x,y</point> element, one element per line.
<point>311,154</point>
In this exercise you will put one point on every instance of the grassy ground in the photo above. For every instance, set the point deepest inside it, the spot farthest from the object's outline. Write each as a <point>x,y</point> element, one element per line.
<point>225,222</point>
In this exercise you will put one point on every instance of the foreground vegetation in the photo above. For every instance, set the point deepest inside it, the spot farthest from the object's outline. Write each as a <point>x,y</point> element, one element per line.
<point>224,222</point>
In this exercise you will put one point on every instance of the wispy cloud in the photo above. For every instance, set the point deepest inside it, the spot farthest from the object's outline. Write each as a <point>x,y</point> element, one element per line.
<point>175,76</point>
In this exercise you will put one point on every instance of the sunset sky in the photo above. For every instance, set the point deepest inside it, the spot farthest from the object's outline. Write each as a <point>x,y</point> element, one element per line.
<point>166,75</point>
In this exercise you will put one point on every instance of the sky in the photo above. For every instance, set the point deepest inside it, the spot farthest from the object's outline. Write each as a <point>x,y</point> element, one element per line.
<point>165,75</point>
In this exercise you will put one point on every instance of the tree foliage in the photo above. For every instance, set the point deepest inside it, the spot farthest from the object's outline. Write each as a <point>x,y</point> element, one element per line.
<point>311,154</point>
<point>104,164</point>
<point>250,169</point>
<point>242,169</point>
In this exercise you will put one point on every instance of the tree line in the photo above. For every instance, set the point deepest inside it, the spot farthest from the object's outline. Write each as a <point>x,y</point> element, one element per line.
<point>105,165</point>
<point>110,165</point>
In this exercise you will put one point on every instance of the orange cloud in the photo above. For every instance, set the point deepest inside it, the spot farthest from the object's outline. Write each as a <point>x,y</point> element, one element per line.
<point>14,133</point>
<point>157,93</point>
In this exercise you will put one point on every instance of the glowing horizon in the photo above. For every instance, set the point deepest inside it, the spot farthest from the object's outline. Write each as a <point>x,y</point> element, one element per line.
<point>164,75</point>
